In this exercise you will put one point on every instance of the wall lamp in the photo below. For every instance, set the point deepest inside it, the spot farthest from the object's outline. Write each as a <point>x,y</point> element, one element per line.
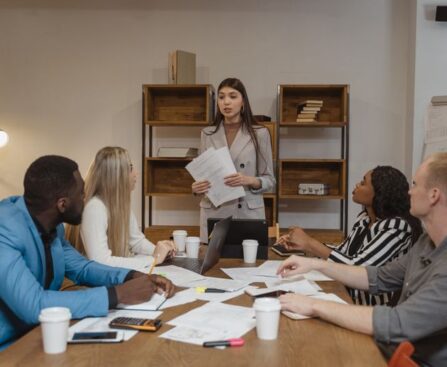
<point>4,138</point>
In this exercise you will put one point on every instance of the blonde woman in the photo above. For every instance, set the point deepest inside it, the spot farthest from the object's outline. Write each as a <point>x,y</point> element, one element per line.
<point>109,232</point>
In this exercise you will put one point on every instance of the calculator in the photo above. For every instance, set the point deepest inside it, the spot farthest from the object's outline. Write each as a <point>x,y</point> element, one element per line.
<point>135,323</point>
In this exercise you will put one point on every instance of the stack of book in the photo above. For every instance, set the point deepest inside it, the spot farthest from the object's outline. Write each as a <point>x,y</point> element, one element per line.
<point>308,110</point>
<point>439,101</point>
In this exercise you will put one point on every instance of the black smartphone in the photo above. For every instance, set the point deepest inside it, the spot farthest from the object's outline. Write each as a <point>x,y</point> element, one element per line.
<point>282,251</point>
<point>97,337</point>
<point>135,323</point>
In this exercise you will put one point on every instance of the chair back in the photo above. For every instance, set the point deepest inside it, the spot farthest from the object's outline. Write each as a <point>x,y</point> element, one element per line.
<point>402,356</point>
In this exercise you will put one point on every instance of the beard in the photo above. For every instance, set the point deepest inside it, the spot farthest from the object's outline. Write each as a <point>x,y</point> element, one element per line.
<point>72,216</point>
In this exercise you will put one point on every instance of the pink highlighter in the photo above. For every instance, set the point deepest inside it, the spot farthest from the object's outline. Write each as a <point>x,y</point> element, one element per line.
<point>234,342</point>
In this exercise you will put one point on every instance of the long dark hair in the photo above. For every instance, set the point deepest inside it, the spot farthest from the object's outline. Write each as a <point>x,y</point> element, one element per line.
<point>391,198</point>
<point>248,122</point>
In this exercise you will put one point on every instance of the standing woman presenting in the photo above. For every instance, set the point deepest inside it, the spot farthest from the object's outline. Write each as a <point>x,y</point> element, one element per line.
<point>250,148</point>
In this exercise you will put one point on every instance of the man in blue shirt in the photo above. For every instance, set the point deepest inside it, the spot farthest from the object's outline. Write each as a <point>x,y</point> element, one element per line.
<point>35,256</point>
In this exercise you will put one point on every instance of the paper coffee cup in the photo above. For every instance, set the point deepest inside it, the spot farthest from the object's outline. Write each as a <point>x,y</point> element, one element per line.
<point>192,247</point>
<point>250,248</point>
<point>54,322</point>
<point>179,236</point>
<point>267,317</point>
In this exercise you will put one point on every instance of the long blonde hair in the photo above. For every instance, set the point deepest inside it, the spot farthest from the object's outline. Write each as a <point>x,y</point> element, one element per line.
<point>108,179</point>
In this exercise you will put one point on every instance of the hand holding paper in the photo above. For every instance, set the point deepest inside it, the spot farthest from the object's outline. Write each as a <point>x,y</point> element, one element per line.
<point>213,166</point>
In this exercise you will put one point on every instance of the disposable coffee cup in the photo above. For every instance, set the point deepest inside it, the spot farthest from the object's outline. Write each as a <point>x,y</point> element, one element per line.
<point>267,317</point>
<point>192,247</point>
<point>250,248</point>
<point>179,236</point>
<point>54,322</point>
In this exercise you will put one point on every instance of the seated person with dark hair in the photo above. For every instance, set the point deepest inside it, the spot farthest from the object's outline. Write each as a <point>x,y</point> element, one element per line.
<point>384,230</point>
<point>421,313</point>
<point>35,257</point>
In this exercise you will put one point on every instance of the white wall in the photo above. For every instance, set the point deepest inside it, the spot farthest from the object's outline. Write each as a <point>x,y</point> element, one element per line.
<point>430,68</point>
<point>72,74</point>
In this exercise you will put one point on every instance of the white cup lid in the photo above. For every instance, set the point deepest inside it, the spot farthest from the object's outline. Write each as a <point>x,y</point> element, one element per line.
<point>192,239</point>
<point>267,304</point>
<point>250,243</point>
<point>179,232</point>
<point>54,314</point>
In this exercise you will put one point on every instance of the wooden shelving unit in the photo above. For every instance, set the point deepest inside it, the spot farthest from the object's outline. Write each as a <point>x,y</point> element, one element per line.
<point>178,105</point>
<point>193,105</point>
<point>332,171</point>
<point>170,106</point>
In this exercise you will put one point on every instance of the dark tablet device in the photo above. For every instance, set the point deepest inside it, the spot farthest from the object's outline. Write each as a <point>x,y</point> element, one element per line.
<point>243,229</point>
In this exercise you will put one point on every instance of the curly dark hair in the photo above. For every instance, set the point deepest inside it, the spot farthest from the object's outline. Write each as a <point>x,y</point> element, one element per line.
<point>391,198</point>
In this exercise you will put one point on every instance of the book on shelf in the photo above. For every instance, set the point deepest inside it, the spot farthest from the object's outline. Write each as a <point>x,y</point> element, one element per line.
<point>307,115</point>
<point>309,109</point>
<point>176,152</point>
<point>439,100</point>
<point>311,102</point>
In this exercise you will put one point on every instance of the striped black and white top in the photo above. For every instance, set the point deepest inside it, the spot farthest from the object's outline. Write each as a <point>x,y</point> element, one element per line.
<point>384,241</point>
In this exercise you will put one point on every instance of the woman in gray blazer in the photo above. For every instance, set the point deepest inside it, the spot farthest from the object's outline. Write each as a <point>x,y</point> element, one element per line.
<point>251,150</point>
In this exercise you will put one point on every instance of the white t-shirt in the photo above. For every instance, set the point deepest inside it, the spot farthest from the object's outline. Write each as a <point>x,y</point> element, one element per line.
<point>94,235</point>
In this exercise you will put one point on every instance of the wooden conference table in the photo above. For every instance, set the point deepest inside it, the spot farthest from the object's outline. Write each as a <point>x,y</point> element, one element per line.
<point>309,342</point>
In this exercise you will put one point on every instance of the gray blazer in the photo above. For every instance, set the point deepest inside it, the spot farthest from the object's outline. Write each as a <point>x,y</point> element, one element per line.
<point>243,153</point>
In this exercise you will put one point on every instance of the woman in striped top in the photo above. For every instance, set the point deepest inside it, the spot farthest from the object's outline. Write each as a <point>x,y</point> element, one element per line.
<point>383,230</point>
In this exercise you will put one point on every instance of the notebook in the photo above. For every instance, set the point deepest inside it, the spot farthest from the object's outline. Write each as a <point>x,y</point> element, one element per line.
<point>212,256</point>
<point>152,305</point>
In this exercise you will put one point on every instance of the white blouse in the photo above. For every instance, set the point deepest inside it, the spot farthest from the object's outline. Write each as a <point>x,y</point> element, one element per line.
<point>94,235</point>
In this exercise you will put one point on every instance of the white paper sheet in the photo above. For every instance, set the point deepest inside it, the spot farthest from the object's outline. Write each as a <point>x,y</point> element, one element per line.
<point>153,304</point>
<point>220,316</point>
<point>213,165</point>
<point>219,297</point>
<point>212,321</point>
<point>218,283</point>
<point>269,268</point>
<point>244,274</point>
<point>196,336</point>
<point>180,298</point>
<point>176,274</point>
<point>91,324</point>
<point>191,294</point>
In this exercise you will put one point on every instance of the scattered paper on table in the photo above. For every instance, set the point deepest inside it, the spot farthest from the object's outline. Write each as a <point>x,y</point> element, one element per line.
<point>180,298</point>
<point>218,283</point>
<point>212,321</point>
<point>244,274</point>
<point>177,274</point>
<point>153,304</point>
